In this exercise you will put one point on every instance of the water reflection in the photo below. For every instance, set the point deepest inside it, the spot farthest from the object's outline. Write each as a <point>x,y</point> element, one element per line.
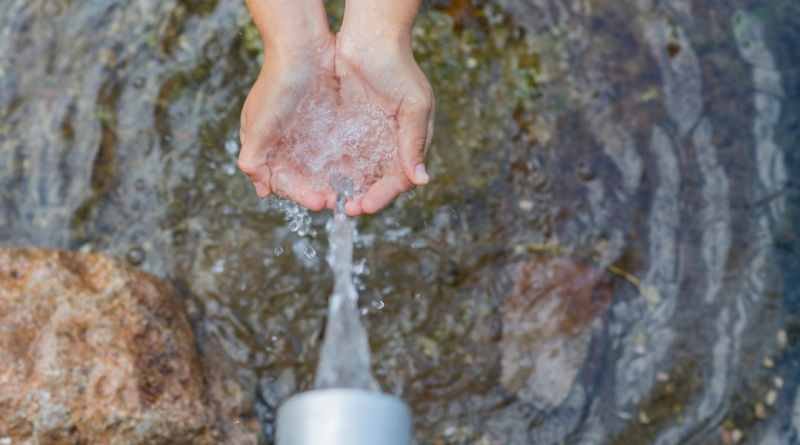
<point>594,263</point>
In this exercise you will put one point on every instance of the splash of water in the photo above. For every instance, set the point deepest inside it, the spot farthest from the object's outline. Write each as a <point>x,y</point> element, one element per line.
<point>345,356</point>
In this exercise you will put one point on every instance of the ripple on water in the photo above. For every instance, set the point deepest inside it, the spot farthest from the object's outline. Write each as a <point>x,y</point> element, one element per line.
<point>617,165</point>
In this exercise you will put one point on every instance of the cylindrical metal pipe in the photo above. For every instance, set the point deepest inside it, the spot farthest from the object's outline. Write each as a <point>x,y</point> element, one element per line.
<point>343,417</point>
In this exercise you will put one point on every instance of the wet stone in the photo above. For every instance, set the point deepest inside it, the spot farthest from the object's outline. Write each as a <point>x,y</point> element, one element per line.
<point>96,352</point>
<point>546,326</point>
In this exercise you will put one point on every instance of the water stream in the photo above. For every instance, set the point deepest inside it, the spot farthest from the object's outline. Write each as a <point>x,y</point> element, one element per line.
<point>344,357</point>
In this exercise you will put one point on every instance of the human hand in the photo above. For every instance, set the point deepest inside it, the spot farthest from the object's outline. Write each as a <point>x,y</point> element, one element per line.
<point>324,107</point>
<point>383,72</point>
<point>295,71</point>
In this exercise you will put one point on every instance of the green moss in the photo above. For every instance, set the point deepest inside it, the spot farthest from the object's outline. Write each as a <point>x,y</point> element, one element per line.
<point>252,39</point>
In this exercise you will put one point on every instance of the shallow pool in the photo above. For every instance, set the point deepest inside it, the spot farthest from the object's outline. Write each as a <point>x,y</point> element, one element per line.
<point>608,252</point>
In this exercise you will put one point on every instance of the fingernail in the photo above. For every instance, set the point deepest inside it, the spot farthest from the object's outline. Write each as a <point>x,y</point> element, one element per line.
<point>351,208</point>
<point>420,175</point>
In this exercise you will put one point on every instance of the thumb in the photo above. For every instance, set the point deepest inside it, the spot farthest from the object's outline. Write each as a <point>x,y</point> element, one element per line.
<point>414,121</point>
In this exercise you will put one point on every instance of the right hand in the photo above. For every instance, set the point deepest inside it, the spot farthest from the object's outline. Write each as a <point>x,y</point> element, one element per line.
<point>383,72</point>
<point>287,76</point>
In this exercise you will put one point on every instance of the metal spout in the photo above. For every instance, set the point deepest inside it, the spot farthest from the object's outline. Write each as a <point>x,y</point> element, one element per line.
<point>343,417</point>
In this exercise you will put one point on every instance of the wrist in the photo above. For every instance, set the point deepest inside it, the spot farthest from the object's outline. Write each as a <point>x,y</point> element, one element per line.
<point>384,23</point>
<point>291,27</point>
<point>302,49</point>
<point>368,41</point>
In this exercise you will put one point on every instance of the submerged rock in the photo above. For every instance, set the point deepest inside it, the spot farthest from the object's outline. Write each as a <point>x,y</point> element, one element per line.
<point>93,351</point>
<point>547,323</point>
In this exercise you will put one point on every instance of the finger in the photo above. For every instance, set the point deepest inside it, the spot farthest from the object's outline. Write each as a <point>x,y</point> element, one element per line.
<point>383,192</point>
<point>414,120</point>
<point>262,189</point>
<point>330,201</point>
<point>298,188</point>
<point>353,207</point>
<point>429,132</point>
<point>253,162</point>
<point>253,154</point>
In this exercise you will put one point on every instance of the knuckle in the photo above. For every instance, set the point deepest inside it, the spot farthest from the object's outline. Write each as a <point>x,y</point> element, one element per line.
<point>247,167</point>
<point>405,187</point>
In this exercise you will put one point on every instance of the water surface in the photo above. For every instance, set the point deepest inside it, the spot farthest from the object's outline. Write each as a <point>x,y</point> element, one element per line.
<point>608,252</point>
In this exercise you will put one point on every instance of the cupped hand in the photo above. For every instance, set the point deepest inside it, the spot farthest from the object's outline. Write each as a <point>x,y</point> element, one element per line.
<point>288,81</point>
<point>340,107</point>
<point>383,73</point>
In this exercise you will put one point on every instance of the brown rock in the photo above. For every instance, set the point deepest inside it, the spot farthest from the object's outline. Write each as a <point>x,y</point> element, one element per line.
<point>546,322</point>
<point>94,352</point>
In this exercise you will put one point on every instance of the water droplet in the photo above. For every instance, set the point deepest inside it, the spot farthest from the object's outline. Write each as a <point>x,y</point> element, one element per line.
<point>231,147</point>
<point>360,268</point>
<point>418,244</point>
<point>219,266</point>
<point>135,256</point>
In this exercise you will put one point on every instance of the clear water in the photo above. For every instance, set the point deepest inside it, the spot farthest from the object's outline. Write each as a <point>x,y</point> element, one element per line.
<point>344,360</point>
<point>607,253</point>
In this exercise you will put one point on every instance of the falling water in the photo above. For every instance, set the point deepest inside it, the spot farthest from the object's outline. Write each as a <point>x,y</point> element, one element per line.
<point>345,356</point>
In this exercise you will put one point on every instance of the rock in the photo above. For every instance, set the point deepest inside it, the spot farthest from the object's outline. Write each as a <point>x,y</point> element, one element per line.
<point>546,326</point>
<point>93,351</point>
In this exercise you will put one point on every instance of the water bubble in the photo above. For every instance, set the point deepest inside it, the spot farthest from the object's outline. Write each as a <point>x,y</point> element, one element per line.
<point>378,304</point>
<point>278,251</point>
<point>135,256</point>
<point>309,252</point>
<point>140,185</point>
<point>298,219</point>
<point>585,171</point>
